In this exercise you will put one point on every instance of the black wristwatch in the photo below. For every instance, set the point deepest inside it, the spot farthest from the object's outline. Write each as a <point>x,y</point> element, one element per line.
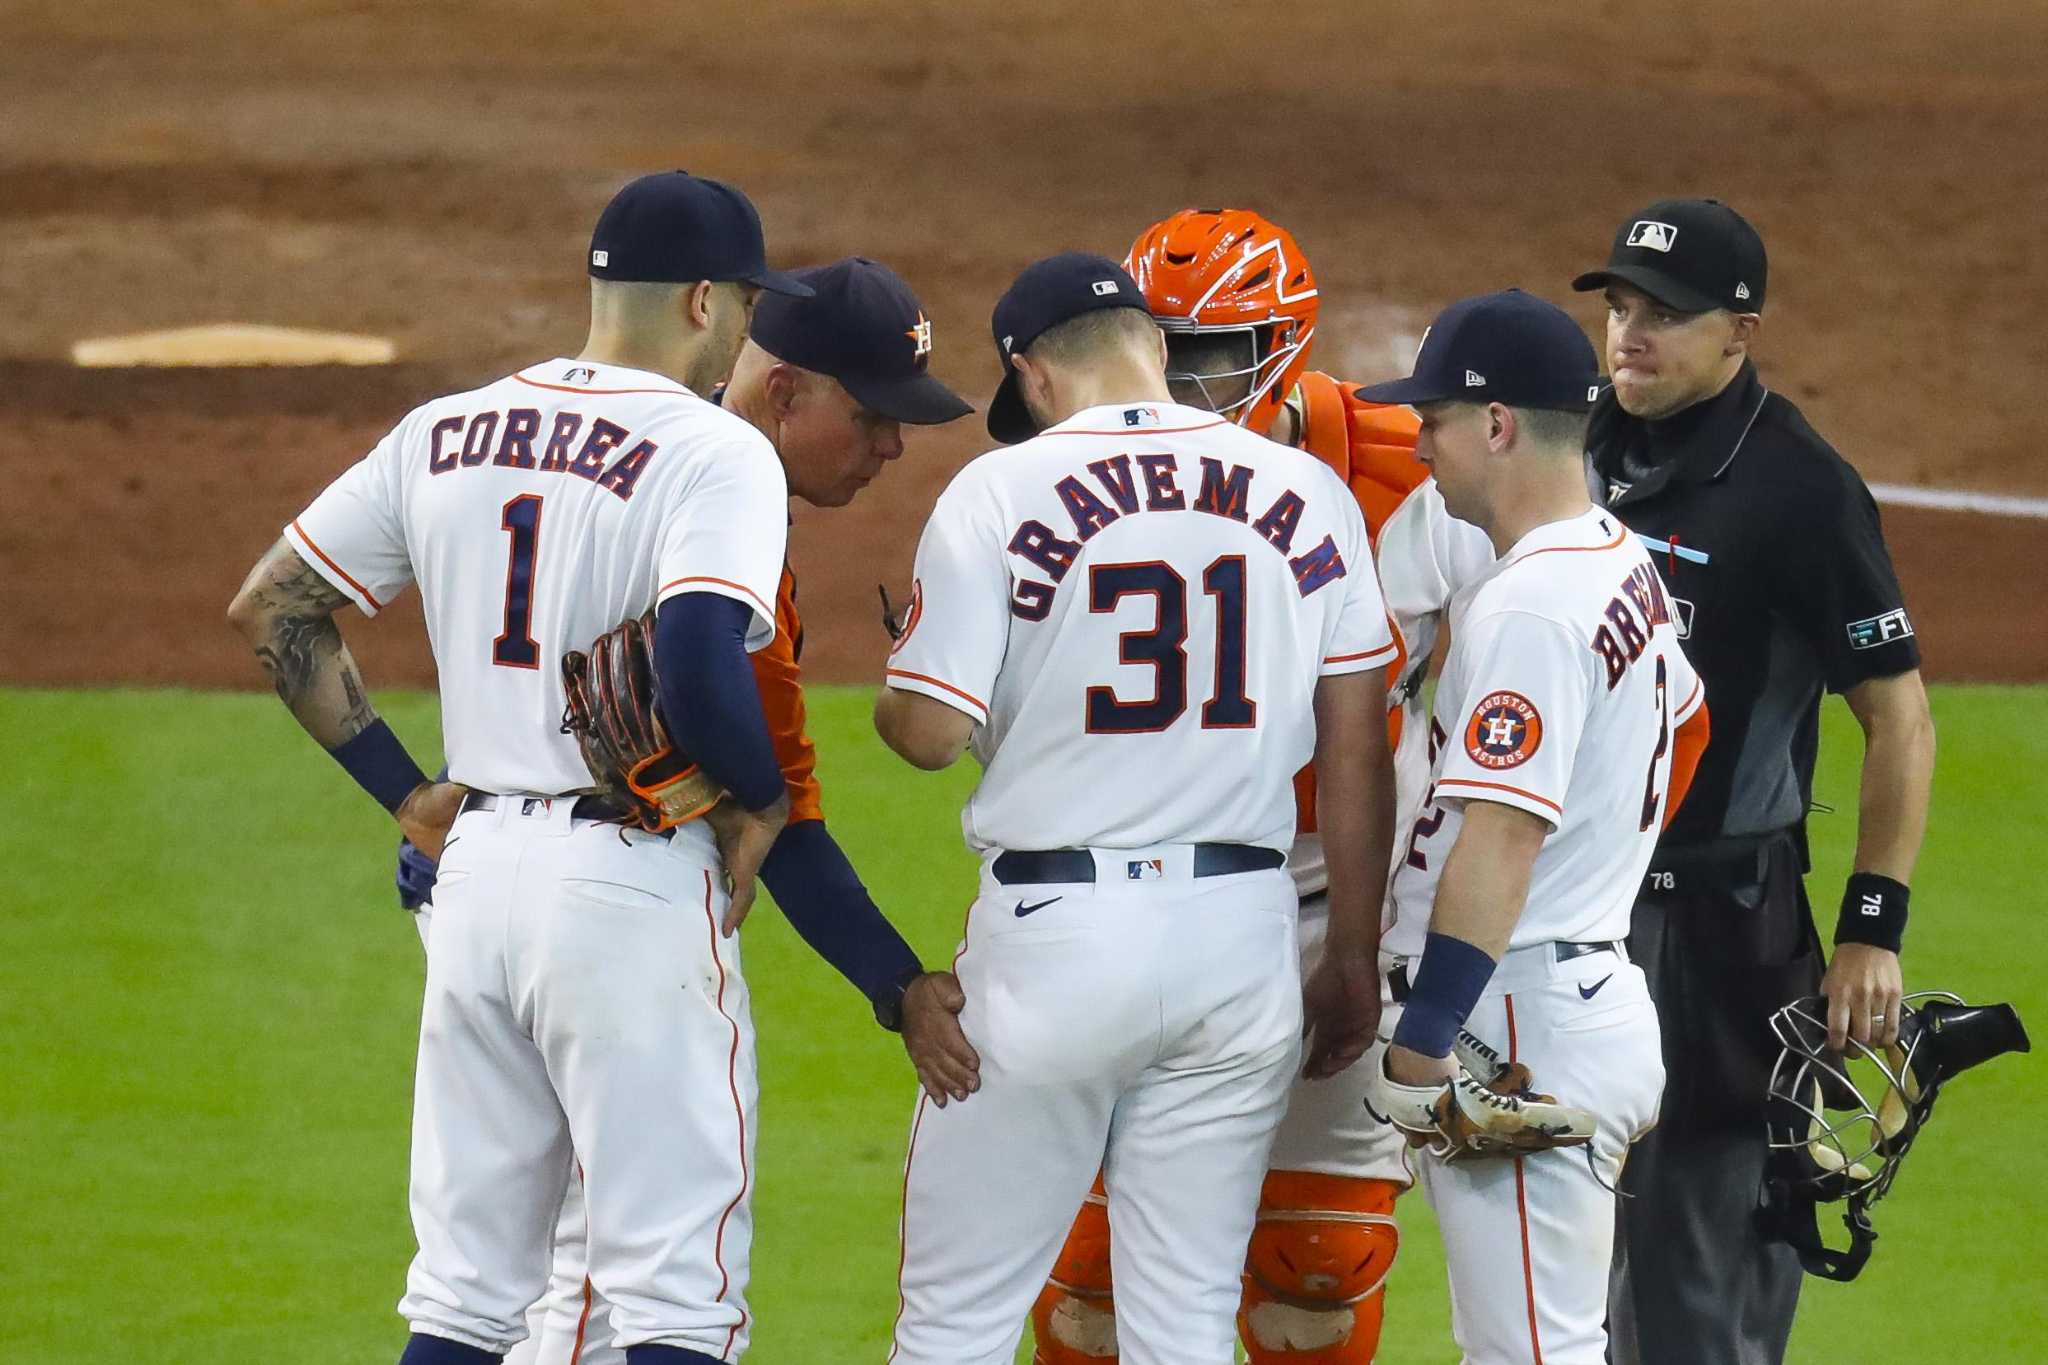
<point>888,1001</point>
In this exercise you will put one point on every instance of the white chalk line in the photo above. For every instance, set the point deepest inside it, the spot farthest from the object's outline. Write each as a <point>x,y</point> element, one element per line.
<point>1959,500</point>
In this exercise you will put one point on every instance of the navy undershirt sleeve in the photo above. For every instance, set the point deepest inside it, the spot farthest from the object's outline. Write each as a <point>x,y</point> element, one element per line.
<point>709,699</point>
<point>822,896</point>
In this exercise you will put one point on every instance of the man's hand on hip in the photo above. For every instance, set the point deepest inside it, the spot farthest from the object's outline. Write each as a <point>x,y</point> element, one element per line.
<point>947,1064</point>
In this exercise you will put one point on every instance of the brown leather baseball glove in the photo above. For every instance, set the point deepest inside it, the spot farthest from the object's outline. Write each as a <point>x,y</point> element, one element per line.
<point>1490,1109</point>
<point>615,715</point>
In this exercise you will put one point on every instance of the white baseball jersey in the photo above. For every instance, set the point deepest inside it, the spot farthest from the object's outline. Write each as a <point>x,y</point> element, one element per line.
<point>1135,606</point>
<point>1564,684</point>
<point>536,513</point>
<point>1425,556</point>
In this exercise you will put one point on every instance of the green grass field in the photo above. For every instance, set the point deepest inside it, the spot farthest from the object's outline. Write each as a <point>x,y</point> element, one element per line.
<point>208,1005</point>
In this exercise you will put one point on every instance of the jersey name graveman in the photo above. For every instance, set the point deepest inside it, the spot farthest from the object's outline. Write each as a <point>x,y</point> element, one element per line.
<point>1222,492</point>
<point>1109,609</point>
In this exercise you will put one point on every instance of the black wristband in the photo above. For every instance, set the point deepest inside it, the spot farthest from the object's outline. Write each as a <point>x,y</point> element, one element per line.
<point>888,1001</point>
<point>380,765</point>
<point>1873,912</point>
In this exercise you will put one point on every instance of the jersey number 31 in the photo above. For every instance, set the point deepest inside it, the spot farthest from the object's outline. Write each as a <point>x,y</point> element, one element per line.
<point>1165,648</point>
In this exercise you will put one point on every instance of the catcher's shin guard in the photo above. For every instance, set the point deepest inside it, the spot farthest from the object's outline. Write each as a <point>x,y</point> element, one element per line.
<point>1074,1320</point>
<point>1316,1273</point>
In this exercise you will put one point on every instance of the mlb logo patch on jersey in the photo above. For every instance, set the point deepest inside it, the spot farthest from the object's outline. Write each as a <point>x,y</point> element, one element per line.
<point>1652,235</point>
<point>1879,630</point>
<point>1504,732</point>
<point>1141,417</point>
<point>1681,617</point>
<point>1145,869</point>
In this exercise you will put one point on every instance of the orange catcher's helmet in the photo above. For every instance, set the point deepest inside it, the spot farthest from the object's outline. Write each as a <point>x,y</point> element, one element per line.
<point>1237,301</point>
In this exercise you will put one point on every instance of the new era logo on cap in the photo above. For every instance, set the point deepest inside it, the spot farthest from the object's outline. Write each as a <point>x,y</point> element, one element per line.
<point>1653,235</point>
<point>1474,379</point>
<point>1741,290</point>
<point>1104,288</point>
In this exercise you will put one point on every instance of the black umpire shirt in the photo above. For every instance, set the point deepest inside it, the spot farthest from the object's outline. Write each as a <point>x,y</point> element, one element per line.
<point>1780,583</point>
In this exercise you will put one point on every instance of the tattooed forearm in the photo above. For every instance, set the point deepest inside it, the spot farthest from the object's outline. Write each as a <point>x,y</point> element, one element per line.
<point>292,654</point>
<point>286,611</point>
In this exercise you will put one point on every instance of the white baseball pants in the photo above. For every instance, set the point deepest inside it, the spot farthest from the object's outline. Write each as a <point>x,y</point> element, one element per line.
<point>1327,1128</point>
<point>580,1000</point>
<point>1150,1028</point>
<point>1528,1241</point>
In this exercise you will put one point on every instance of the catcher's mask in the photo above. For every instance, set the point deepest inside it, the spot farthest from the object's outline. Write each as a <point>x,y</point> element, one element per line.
<point>1237,301</point>
<point>1829,1141</point>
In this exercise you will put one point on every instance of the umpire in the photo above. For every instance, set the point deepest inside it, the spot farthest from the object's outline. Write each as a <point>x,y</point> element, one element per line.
<point>1770,545</point>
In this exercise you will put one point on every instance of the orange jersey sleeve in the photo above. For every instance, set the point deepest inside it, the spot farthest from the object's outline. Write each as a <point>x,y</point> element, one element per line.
<point>1372,448</point>
<point>778,675</point>
<point>1686,747</point>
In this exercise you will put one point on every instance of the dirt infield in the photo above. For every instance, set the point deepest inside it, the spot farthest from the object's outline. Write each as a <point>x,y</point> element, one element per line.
<point>429,173</point>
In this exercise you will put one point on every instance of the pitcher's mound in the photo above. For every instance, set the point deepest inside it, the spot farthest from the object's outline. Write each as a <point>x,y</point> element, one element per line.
<point>233,343</point>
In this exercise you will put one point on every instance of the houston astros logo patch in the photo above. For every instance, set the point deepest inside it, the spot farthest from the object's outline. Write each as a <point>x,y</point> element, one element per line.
<point>912,617</point>
<point>1504,731</point>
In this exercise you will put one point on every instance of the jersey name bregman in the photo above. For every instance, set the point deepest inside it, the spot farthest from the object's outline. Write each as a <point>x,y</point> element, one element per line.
<point>1622,640</point>
<point>1153,486</point>
<point>506,439</point>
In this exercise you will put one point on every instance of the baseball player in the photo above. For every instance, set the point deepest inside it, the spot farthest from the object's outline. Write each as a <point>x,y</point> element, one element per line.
<point>584,992</point>
<point>1145,620</point>
<point>1238,303</point>
<point>831,381</point>
<point>1564,730</point>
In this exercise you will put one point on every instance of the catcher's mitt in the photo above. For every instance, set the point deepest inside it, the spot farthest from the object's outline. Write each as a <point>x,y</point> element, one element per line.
<point>1491,1108</point>
<point>613,712</point>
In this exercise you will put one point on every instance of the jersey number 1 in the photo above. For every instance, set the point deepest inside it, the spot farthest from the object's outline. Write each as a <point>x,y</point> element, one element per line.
<point>516,648</point>
<point>1165,648</point>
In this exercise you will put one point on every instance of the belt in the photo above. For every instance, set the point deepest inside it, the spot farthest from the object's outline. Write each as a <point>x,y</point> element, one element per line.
<point>587,807</point>
<point>1397,979</point>
<point>1723,864</point>
<point>1078,864</point>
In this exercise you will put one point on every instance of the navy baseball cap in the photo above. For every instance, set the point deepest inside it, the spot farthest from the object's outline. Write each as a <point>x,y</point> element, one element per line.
<point>864,328</point>
<point>1693,255</point>
<point>676,228</point>
<point>1509,347</point>
<point>1052,291</point>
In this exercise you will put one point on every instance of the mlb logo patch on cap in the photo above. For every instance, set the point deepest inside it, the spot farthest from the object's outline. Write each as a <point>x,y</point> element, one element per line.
<point>1104,288</point>
<point>1652,235</point>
